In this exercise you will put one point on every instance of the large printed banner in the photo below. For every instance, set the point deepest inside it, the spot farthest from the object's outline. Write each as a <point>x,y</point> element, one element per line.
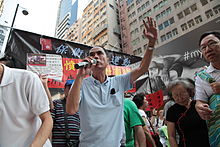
<point>179,58</point>
<point>22,42</point>
<point>56,58</point>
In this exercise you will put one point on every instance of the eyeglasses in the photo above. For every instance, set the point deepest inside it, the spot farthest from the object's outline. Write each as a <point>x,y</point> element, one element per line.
<point>211,45</point>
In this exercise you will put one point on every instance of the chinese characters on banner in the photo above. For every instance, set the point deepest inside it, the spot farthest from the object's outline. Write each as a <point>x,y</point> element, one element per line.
<point>155,100</point>
<point>61,69</point>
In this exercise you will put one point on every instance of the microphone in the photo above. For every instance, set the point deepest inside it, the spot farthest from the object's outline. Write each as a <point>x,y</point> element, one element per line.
<point>84,63</point>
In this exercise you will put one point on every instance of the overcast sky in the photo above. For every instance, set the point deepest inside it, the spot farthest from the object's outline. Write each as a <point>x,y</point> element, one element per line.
<point>41,18</point>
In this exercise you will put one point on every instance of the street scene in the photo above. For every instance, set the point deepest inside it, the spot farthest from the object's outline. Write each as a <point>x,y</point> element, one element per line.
<point>112,73</point>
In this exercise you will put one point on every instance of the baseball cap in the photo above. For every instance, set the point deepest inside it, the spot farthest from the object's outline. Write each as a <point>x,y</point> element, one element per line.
<point>69,82</point>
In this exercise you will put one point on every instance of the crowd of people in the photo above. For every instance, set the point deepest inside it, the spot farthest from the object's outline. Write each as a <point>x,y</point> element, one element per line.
<point>95,112</point>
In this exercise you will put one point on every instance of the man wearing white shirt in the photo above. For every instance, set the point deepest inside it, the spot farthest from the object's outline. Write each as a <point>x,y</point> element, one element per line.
<point>25,120</point>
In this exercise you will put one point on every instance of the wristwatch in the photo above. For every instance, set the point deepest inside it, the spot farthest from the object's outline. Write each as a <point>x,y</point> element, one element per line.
<point>151,48</point>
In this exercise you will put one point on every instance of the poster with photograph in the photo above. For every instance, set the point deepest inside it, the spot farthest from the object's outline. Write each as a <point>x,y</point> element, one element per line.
<point>46,64</point>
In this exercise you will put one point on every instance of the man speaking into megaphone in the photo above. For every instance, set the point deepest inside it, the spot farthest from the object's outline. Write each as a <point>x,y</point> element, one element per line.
<point>99,98</point>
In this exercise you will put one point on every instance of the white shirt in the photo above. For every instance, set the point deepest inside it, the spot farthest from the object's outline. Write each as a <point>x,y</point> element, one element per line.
<point>203,88</point>
<point>22,100</point>
<point>143,114</point>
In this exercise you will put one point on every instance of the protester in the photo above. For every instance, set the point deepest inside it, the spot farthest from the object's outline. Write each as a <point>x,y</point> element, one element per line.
<point>135,136</point>
<point>25,120</point>
<point>158,120</point>
<point>208,85</point>
<point>66,128</point>
<point>183,117</point>
<point>141,103</point>
<point>99,98</point>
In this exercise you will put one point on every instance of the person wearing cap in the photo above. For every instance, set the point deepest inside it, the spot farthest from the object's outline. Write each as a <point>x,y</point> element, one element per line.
<point>25,119</point>
<point>99,98</point>
<point>66,128</point>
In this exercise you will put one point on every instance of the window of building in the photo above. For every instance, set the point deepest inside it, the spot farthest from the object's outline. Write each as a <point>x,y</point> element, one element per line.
<point>168,11</point>
<point>191,23</point>
<point>193,7</point>
<point>180,15</point>
<point>136,41</point>
<point>158,17</point>
<point>171,20</point>
<point>204,2</point>
<point>166,24</point>
<point>140,18</point>
<point>169,35</point>
<point>138,2</point>
<point>182,1</point>
<point>216,9</point>
<point>96,4</point>
<point>111,6</point>
<point>198,19</point>
<point>143,37</point>
<point>209,13</point>
<point>139,50</point>
<point>175,32</point>
<point>160,27</point>
<point>142,27</point>
<point>147,3</point>
<point>186,11</point>
<point>148,13</point>
<point>160,4</point>
<point>135,52</point>
<point>162,38</point>
<point>129,2</point>
<point>145,46</point>
<point>156,7</point>
<point>184,27</point>
<point>130,7</point>
<point>163,13</point>
<point>177,4</point>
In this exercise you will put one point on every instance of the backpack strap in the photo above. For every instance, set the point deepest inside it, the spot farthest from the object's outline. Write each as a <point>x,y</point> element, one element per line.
<point>205,76</point>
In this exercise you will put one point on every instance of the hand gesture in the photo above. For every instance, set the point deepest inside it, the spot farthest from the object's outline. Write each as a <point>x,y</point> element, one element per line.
<point>150,31</point>
<point>215,87</point>
<point>203,110</point>
<point>87,69</point>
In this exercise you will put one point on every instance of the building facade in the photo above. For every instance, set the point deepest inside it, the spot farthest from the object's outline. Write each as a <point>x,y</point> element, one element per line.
<point>100,25</point>
<point>74,33</point>
<point>67,15</point>
<point>174,18</point>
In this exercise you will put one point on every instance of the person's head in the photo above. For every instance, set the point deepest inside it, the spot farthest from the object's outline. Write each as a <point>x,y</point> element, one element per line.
<point>100,55</point>
<point>209,44</point>
<point>160,113</point>
<point>153,69</point>
<point>181,91</point>
<point>67,86</point>
<point>140,101</point>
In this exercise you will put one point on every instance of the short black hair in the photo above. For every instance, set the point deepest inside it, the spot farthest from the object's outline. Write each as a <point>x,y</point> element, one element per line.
<point>215,33</point>
<point>138,99</point>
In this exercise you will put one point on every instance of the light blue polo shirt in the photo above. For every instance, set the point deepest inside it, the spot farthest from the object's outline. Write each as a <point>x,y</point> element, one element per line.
<point>101,111</point>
